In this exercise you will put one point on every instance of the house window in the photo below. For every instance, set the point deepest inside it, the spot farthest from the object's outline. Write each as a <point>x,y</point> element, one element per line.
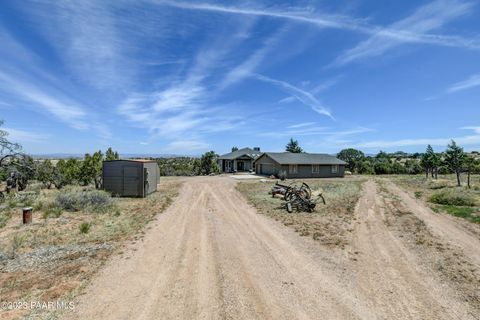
<point>335,168</point>
<point>315,168</point>
<point>292,168</point>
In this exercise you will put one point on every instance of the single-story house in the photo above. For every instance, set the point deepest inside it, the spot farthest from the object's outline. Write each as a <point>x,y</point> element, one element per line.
<point>239,160</point>
<point>130,177</point>
<point>300,165</point>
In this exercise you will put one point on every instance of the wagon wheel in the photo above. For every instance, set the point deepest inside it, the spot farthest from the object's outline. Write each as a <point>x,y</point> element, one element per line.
<point>288,195</point>
<point>306,189</point>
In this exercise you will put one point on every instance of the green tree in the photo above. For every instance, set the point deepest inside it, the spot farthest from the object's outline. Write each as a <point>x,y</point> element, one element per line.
<point>91,169</point>
<point>208,164</point>
<point>412,166</point>
<point>471,165</point>
<point>67,172</point>
<point>234,149</point>
<point>45,173</point>
<point>365,167</point>
<point>455,158</point>
<point>426,160</point>
<point>293,146</point>
<point>352,157</point>
<point>111,155</point>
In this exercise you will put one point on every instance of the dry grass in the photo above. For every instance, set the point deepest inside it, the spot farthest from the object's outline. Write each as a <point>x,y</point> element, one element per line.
<point>443,195</point>
<point>330,224</point>
<point>67,253</point>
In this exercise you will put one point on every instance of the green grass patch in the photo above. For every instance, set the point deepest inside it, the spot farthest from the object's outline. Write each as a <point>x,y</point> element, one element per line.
<point>469,213</point>
<point>454,197</point>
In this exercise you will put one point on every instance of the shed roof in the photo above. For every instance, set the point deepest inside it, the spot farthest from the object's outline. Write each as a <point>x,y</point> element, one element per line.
<point>303,158</point>
<point>132,160</point>
<point>241,152</point>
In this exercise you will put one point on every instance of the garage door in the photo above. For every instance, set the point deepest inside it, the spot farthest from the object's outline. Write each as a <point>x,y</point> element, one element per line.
<point>267,169</point>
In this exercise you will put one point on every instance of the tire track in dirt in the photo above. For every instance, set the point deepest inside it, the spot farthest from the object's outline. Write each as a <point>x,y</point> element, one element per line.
<point>387,275</point>
<point>446,227</point>
<point>211,256</point>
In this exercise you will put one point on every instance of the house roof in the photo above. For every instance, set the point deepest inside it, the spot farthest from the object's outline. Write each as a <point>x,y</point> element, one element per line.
<point>241,152</point>
<point>303,158</point>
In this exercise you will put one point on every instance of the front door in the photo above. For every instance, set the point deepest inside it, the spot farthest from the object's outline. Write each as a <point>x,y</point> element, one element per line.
<point>240,166</point>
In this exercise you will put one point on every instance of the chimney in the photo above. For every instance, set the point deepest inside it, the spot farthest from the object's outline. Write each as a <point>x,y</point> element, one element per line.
<point>256,149</point>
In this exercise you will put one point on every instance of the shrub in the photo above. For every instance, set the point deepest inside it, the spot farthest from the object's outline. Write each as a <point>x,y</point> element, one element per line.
<point>52,210</point>
<point>282,175</point>
<point>76,199</point>
<point>454,198</point>
<point>85,227</point>
<point>418,194</point>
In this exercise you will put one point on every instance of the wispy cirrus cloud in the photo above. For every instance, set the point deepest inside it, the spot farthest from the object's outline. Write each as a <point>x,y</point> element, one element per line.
<point>316,90</point>
<point>472,82</point>
<point>63,109</point>
<point>190,145</point>
<point>301,95</point>
<point>413,29</point>
<point>186,106</point>
<point>22,136</point>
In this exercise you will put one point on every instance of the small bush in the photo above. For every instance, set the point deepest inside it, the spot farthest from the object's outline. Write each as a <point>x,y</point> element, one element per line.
<point>52,210</point>
<point>85,227</point>
<point>453,198</point>
<point>282,175</point>
<point>418,194</point>
<point>75,199</point>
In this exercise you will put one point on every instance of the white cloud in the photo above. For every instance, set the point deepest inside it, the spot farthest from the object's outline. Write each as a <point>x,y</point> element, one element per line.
<point>473,81</point>
<point>65,110</point>
<point>413,29</point>
<point>246,68</point>
<point>303,96</point>
<point>17,135</point>
<point>185,106</point>
<point>186,146</point>
<point>319,88</point>
<point>301,125</point>
<point>86,38</point>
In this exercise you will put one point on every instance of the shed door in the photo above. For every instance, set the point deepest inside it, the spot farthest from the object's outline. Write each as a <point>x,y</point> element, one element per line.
<point>131,181</point>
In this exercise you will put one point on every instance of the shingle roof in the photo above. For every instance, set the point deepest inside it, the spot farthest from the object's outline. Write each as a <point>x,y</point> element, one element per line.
<point>303,158</point>
<point>241,152</point>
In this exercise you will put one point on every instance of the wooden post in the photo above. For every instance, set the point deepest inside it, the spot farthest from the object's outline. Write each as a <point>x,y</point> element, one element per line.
<point>27,215</point>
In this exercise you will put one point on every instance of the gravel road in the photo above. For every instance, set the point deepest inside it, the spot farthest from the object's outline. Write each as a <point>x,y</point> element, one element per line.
<point>211,256</point>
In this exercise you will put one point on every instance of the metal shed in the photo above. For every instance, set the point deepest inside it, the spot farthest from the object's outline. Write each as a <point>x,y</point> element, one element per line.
<point>131,178</point>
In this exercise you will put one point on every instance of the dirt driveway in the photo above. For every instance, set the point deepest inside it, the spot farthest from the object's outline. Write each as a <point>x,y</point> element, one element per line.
<point>211,256</point>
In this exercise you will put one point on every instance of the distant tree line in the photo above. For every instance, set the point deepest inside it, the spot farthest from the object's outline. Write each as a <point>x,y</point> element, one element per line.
<point>452,160</point>
<point>189,166</point>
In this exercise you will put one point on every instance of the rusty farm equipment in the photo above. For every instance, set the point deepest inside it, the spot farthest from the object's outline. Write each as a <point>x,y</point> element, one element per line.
<point>297,198</point>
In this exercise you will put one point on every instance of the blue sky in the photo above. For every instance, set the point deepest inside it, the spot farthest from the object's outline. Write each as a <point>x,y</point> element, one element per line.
<point>181,77</point>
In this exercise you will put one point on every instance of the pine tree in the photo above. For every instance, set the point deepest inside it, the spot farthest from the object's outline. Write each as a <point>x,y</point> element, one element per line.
<point>293,147</point>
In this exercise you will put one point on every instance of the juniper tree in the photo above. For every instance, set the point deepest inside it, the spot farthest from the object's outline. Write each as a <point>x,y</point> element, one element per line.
<point>455,159</point>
